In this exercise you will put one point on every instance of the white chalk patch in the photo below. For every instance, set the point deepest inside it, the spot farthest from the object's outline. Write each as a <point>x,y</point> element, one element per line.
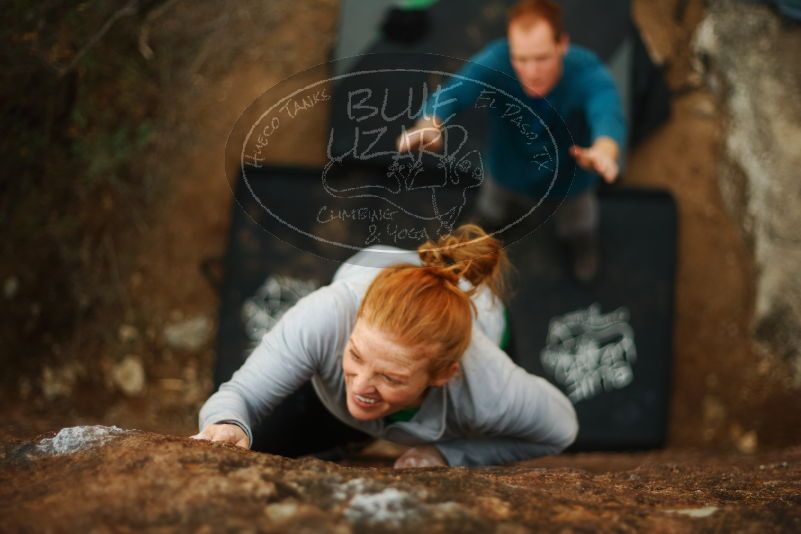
<point>705,511</point>
<point>350,488</point>
<point>390,506</point>
<point>76,438</point>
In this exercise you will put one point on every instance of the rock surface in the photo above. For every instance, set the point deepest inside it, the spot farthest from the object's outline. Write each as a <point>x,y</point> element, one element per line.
<point>129,375</point>
<point>753,60</point>
<point>134,481</point>
<point>189,335</point>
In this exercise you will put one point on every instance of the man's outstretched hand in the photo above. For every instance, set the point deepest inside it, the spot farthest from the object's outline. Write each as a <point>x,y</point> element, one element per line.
<point>601,158</point>
<point>425,456</point>
<point>227,433</point>
<point>425,134</point>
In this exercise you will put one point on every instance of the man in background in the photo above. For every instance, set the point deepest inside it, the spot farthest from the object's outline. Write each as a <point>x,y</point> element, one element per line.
<point>560,82</point>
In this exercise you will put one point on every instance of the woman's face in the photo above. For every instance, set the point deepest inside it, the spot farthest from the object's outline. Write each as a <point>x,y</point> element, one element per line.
<point>381,376</point>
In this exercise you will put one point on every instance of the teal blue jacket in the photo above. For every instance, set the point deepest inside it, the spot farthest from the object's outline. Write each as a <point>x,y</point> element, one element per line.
<point>528,138</point>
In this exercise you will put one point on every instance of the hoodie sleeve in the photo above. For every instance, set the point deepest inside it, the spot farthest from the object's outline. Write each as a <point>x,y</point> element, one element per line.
<point>519,416</point>
<point>287,356</point>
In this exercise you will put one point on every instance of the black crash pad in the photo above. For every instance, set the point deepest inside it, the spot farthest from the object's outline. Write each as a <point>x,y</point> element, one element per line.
<point>607,346</point>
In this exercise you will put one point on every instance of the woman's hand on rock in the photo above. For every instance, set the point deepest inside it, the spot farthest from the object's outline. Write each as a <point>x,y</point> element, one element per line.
<point>425,456</point>
<point>226,433</point>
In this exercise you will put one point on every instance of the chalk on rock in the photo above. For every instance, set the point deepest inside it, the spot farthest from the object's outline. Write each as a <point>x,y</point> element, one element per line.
<point>704,511</point>
<point>390,506</point>
<point>76,438</point>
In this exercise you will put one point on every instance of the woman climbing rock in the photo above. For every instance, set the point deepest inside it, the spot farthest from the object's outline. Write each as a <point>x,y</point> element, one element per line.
<point>401,346</point>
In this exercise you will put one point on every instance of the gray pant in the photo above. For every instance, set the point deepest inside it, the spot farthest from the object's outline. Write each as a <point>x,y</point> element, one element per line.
<point>577,216</point>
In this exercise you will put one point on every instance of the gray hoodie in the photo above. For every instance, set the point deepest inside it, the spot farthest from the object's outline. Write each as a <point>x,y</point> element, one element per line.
<point>491,412</point>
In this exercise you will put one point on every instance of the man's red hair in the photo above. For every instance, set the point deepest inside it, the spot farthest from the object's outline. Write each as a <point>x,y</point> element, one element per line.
<point>529,12</point>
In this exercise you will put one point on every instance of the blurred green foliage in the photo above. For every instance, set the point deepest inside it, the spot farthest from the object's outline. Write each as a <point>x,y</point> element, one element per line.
<point>78,105</point>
